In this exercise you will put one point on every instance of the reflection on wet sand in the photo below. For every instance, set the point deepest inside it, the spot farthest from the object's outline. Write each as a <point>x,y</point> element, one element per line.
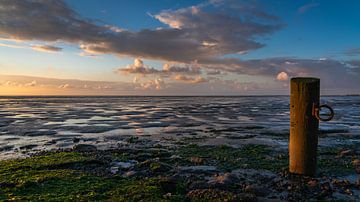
<point>33,124</point>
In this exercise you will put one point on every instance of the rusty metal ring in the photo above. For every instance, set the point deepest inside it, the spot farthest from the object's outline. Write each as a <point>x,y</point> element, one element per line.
<point>330,116</point>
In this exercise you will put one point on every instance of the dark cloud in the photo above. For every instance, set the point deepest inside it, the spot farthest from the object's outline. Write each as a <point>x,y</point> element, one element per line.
<point>200,34</point>
<point>218,33</point>
<point>46,20</point>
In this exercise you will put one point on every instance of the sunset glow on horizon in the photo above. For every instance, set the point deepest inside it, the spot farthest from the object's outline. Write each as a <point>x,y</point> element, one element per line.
<point>214,47</point>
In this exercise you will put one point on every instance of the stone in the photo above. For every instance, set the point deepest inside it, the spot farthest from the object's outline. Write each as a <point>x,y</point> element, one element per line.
<point>28,147</point>
<point>224,179</point>
<point>344,153</point>
<point>198,169</point>
<point>159,167</point>
<point>114,170</point>
<point>168,185</point>
<point>84,148</point>
<point>125,165</point>
<point>196,160</point>
<point>76,140</point>
<point>257,190</point>
<point>356,162</point>
<point>312,183</point>
<point>129,173</point>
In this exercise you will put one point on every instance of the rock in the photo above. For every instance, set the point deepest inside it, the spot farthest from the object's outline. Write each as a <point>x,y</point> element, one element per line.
<point>6,148</point>
<point>159,167</point>
<point>168,185</point>
<point>344,153</point>
<point>257,190</point>
<point>198,169</point>
<point>175,157</point>
<point>196,160</point>
<point>198,184</point>
<point>342,197</point>
<point>28,147</point>
<point>167,196</point>
<point>84,148</point>
<point>248,188</point>
<point>125,165</point>
<point>114,170</point>
<point>40,133</point>
<point>129,173</point>
<point>51,142</point>
<point>312,183</point>
<point>357,183</point>
<point>348,191</point>
<point>76,140</point>
<point>356,163</point>
<point>224,179</point>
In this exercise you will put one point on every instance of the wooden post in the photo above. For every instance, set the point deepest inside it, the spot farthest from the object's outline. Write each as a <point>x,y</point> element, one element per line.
<point>305,92</point>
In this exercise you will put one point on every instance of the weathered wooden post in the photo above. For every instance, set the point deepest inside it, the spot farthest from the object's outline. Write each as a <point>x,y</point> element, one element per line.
<point>304,124</point>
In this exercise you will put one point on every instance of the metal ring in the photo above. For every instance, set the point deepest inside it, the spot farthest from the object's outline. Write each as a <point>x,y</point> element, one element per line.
<point>330,116</point>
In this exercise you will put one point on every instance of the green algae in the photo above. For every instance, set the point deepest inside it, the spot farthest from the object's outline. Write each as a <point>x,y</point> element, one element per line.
<point>228,158</point>
<point>69,176</point>
<point>66,176</point>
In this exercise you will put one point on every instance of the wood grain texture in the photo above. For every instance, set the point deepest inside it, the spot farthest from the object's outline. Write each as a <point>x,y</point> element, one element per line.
<point>303,125</point>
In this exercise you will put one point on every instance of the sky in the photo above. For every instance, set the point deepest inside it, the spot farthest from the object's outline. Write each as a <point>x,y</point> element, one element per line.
<point>168,47</point>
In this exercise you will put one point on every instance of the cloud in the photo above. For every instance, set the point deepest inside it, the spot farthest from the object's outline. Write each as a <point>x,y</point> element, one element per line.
<point>187,79</point>
<point>282,76</point>
<point>12,46</point>
<point>218,33</point>
<point>201,33</point>
<point>168,69</point>
<point>46,48</point>
<point>328,70</point>
<point>31,84</point>
<point>64,86</point>
<point>155,84</point>
<point>187,74</point>
<point>333,73</point>
<point>238,85</point>
<point>42,48</point>
<point>307,7</point>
